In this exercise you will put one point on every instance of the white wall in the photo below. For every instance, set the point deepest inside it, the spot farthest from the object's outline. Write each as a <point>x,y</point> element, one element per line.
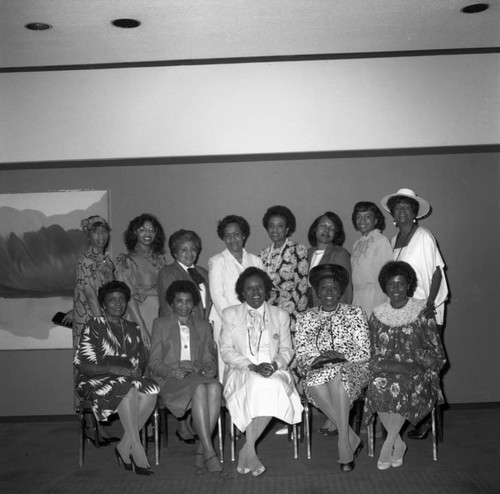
<point>250,108</point>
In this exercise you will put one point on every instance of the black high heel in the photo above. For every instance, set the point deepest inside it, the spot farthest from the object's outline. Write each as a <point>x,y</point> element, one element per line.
<point>349,467</point>
<point>141,470</point>
<point>121,461</point>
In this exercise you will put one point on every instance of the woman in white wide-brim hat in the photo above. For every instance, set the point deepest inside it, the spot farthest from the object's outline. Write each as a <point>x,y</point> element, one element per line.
<point>418,247</point>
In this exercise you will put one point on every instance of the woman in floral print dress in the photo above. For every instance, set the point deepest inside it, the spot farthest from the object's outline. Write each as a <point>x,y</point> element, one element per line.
<point>407,356</point>
<point>110,361</point>
<point>285,261</point>
<point>332,351</point>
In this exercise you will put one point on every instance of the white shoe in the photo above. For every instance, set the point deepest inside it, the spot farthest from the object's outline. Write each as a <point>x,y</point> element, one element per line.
<point>282,431</point>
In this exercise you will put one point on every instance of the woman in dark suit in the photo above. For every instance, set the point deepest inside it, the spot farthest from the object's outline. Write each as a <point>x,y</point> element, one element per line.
<point>185,248</point>
<point>183,363</point>
<point>326,236</point>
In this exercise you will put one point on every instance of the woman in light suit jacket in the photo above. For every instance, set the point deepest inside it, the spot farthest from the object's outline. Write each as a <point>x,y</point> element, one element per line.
<point>182,362</point>
<point>225,268</point>
<point>185,248</point>
<point>256,345</point>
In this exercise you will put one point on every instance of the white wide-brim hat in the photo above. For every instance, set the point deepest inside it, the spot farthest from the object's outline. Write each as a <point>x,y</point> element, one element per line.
<point>424,206</point>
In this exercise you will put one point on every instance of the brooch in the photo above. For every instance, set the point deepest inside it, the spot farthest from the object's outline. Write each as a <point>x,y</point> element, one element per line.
<point>276,336</point>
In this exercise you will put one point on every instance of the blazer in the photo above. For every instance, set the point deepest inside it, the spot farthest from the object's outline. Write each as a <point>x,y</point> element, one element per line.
<point>223,272</point>
<point>174,272</point>
<point>233,337</point>
<point>332,255</point>
<point>165,349</point>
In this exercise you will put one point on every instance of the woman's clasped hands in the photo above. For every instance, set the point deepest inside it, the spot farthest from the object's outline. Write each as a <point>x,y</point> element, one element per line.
<point>265,369</point>
<point>185,369</point>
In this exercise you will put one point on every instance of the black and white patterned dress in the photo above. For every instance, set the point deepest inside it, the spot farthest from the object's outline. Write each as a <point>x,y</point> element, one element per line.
<point>344,330</point>
<point>101,341</point>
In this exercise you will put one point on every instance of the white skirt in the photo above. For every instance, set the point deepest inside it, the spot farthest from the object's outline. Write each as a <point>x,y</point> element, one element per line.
<point>249,395</point>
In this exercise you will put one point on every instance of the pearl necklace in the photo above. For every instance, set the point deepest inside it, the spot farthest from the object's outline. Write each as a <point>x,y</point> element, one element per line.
<point>270,266</point>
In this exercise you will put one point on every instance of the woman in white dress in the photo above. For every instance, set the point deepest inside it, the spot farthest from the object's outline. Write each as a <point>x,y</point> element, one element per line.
<point>256,345</point>
<point>225,268</point>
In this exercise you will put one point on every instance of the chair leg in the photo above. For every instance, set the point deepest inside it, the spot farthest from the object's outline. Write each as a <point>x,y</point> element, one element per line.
<point>434,434</point>
<point>233,440</point>
<point>307,430</point>
<point>156,426</point>
<point>358,416</point>
<point>81,445</point>
<point>371,438</point>
<point>219,433</point>
<point>295,440</point>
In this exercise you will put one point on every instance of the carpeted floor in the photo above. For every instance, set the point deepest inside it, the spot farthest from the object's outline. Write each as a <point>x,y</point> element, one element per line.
<point>42,457</point>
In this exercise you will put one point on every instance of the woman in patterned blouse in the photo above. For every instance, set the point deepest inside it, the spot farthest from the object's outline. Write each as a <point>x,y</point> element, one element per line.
<point>285,261</point>
<point>333,350</point>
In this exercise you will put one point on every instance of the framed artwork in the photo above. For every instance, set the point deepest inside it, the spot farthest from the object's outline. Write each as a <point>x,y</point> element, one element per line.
<point>40,243</point>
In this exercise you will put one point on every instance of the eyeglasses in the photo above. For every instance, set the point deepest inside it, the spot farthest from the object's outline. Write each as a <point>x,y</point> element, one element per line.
<point>143,229</point>
<point>231,236</point>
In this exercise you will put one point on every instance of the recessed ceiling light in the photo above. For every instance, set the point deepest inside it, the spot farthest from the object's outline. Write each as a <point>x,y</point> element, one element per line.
<point>475,8</point>
<point>126,23</point>
<point>38,26</point>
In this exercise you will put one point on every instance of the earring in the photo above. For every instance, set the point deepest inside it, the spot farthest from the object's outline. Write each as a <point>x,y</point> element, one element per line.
<point>414,220</point>
<point>394,222</point>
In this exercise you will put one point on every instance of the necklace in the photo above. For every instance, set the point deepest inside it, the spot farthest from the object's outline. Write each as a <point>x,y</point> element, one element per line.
<point>273,260</point>
<point>405,242</point>
<point>331,318</point>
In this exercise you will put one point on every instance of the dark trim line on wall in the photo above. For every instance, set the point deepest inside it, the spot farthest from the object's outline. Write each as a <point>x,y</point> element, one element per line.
<point>237,158</point>
<point>266,59</point>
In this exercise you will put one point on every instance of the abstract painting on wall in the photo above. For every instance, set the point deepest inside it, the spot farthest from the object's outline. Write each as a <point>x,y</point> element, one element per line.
<point>40,243</point>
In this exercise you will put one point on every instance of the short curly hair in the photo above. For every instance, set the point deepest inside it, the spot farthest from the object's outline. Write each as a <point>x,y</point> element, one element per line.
<point>364,206</point>
<point>284,212</point>
<point>239,220</point>
<point>338,238</point>
<point>398,268</point>
<point>179,237</point>
<point>253,271</point>
<point>334,271</point>
<point>395,200</point>
<point>182,286</point>
<point>111,287</point>
<point>130,234</point>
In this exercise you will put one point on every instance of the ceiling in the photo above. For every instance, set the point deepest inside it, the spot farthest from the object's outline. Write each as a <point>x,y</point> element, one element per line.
<point>197,30</point>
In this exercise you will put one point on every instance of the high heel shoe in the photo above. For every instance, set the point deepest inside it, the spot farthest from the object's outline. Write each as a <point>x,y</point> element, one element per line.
<point>121,461</point>
<point>398,462</point>
<point>141,470</point>
<point>191,440</point>
<point>214,467</point>
<point>420,433</point>
<point>349,467</point>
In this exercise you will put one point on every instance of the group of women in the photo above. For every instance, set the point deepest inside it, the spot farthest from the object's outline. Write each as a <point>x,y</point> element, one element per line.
<point>234,331</point>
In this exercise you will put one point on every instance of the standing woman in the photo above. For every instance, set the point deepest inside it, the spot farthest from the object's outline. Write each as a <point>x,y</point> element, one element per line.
<point>418,247</point>
<point>145,240</point>
<point>93,269</point>
<point>326,236</point>
<point>185,248</point>
<point>225,268</point>
<point>285,261</point>
<point>369,254</point>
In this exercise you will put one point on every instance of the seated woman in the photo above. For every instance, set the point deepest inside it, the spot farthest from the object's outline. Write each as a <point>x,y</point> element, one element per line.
<point>407,356</point>
<point>256,345</point>
<point>183,362</point>
<point>333,350</point>
<point>110,361</point>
